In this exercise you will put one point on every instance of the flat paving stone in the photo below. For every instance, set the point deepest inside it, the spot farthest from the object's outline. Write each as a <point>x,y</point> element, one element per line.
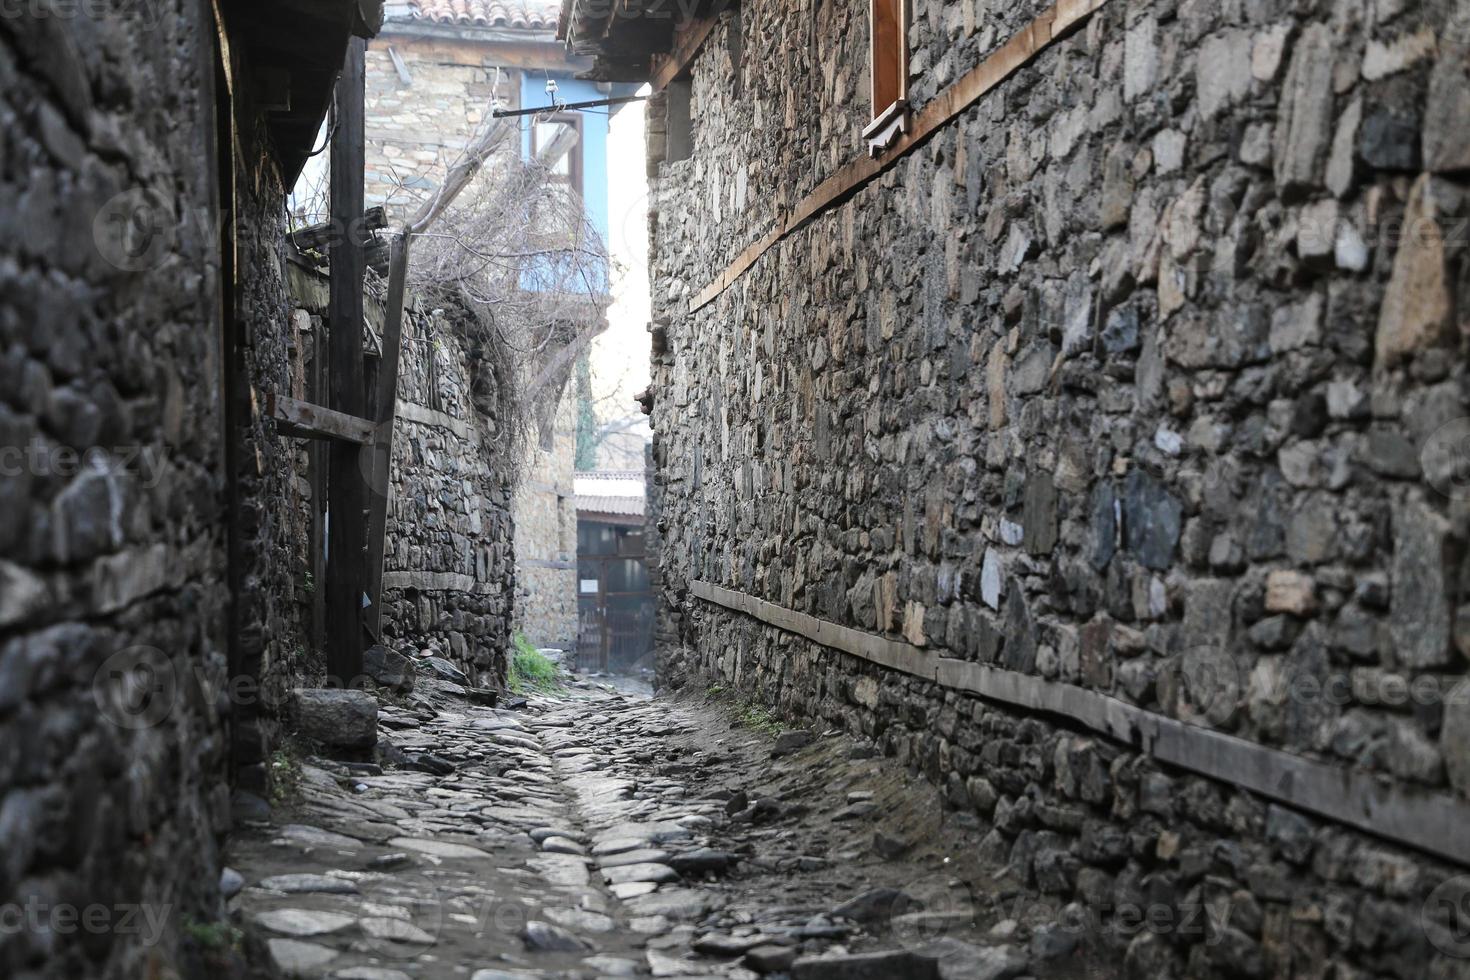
<point>561,869</point>
<point>618,845</point>
<point>543,937</point>
<point>438,848</point>
<point>369,973</point>
<point>656,873</point>
<point>395,930</point>
<point>294,958</point>
<point>309,836</point>
<point>633,889</point>
<point>305,883</point>
<point>580,920</point>
<point>644,856</point>
<point>303,922</point>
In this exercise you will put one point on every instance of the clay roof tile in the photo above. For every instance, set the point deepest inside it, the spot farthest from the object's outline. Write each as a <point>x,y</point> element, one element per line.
<point>523,14</point>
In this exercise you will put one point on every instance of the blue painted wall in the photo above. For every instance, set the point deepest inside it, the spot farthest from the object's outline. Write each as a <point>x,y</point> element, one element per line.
<point>594,134</point>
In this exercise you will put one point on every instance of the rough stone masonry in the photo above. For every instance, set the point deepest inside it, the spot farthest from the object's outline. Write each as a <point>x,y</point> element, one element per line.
<point>1142,377</point>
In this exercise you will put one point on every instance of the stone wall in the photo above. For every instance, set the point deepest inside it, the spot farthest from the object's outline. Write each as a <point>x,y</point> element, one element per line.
<point>114,614</point>
<point>1143,377</point>
<point>448,571</point>
<point>417,130</point>
<point>546,533</point>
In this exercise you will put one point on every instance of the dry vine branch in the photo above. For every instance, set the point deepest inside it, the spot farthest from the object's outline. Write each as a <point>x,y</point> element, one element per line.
<point>512,252</point>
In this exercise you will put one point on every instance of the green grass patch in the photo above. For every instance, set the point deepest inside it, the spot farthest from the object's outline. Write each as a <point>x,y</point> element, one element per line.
<point>760,719</point>
<point>748,712</point>
<point>530,670</point>
<point>213,936</point>
<point>285,775</point>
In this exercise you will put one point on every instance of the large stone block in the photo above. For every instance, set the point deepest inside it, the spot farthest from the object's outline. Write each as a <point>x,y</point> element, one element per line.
<point>1416,305</point>
<point>1304,119</point>
<point>338,718</point>
<point>1419,616</point>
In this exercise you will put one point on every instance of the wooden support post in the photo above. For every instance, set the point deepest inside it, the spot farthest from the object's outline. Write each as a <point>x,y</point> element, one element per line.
<point>316,456</point>
<point>380,490</point>
<point>345,489</point>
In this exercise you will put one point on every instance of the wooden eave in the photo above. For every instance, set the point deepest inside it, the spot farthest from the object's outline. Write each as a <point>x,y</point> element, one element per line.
<point>292,52</point>
<point>507,47</point>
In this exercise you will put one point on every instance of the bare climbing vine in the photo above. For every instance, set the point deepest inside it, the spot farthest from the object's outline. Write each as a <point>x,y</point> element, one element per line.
<point>508,247</point>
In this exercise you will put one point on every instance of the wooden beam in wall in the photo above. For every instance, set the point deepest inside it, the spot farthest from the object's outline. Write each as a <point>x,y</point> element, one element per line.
<point>1022,48</point>
<point>688,40</point>
<point>1431,821</point>
<point>304,420</point>
<point>346,487</point>
<point>322,235</point>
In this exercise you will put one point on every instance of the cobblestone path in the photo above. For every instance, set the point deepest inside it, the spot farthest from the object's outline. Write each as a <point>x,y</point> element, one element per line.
<point>604,834</point>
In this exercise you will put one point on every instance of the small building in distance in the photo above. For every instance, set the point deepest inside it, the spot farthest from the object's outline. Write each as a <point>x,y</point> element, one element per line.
<point>615,606</point>
<point>434,76</point>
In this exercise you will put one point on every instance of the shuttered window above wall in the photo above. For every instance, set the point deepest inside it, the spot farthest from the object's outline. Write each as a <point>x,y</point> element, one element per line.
<point>889,62</point>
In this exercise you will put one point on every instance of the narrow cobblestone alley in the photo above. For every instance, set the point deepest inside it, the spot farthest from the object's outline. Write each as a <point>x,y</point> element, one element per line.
<point>832,490</point>
<point>603,834</point>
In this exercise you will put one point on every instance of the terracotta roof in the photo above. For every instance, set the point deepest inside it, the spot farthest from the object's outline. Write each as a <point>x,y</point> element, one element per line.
<point>538,15</point>
<point>609,492</point>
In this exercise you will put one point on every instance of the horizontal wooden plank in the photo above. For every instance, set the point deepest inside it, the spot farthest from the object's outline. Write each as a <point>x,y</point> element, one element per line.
<point>1421,818</point>
<point>851,177</point>
<point>324,235</point>
<point>304,420</point>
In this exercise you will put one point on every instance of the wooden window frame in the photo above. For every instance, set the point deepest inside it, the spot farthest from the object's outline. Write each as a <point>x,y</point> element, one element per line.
<point>574,175</point>
<point>888,32</point>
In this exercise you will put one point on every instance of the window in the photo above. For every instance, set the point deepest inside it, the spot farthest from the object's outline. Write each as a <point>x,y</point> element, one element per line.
<point>889,24</point>
<point>556,140</point>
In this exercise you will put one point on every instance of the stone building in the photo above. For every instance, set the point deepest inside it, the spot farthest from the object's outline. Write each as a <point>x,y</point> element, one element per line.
<point>615,601</point>
<point>1073,398</point>
<point>145,153</point>
<point>449,579</point>
<point>546,533</point>
<point>433,75</point>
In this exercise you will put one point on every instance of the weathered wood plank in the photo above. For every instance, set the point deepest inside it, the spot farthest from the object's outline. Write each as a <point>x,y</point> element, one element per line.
<point>304,420</point>
<point>1015,53</point>
<point>688,40</point>
<point>346,489</point>
<point>1422,818</point>
<point>380,488</point>
<point>324,235</point>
